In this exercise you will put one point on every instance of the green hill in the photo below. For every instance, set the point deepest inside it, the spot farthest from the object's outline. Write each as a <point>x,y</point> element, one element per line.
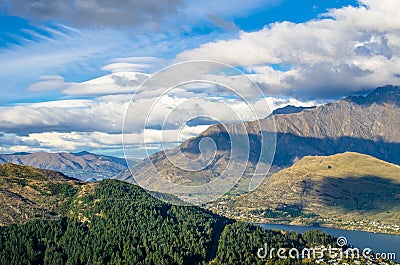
<point>112,222</point>
<point>347,190</point>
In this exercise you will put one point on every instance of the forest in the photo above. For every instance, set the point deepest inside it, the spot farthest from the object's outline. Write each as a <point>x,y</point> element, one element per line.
<point>120,223</point>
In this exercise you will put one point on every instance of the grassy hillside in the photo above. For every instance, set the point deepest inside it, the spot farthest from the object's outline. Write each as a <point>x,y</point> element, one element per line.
<point>350,190</point>
<point>27,193</point>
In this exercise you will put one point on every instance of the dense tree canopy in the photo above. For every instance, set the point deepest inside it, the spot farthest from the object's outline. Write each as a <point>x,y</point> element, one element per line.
<point>119,223</point>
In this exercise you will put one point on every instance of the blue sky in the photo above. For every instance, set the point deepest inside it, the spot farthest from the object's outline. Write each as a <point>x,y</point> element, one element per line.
<point>82,60</point>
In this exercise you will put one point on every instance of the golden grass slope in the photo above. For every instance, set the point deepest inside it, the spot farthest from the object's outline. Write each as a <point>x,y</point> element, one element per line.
<point>27,193</point>
<point>342,186</point>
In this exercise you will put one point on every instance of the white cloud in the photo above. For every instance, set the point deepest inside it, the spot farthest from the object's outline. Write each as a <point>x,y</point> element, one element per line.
<point>125,67</point>
<point>48,82</point>
<point>74,141</point>
<point>73,115</point>
<point>159,112</point>
<point>132,64</point>
<point>373,15</point>
<point>116,83</point>
<point>46,53</point>
<point>95,124</point>
<point>351,49</point>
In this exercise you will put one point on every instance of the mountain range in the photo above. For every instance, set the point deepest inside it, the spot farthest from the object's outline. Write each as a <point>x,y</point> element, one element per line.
<point>83,165</point>
<point>364,124</point>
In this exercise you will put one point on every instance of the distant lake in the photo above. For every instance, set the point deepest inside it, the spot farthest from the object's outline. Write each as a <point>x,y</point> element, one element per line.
<point>379,243</point>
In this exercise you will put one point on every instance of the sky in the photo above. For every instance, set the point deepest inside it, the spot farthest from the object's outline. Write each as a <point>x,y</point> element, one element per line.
<point>70,70</point>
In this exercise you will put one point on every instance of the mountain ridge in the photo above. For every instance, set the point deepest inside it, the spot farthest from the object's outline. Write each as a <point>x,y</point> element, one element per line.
<point>370,128</point>
<point>384,94</point>
<point>82,165</point>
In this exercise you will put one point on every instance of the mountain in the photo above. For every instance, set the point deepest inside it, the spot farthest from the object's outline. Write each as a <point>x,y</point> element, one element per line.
<point>365,124</point>
<point>83,165</point>
<point>113,222</point>
<point>290,109</point>
<point>368,125</point>
<point>348,190</point>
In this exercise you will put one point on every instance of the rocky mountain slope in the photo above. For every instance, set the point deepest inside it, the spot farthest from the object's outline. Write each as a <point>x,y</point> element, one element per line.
<point>289,109</point>
<point>83,165</point>
<point>368,125</point>
<point>365,124</point>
